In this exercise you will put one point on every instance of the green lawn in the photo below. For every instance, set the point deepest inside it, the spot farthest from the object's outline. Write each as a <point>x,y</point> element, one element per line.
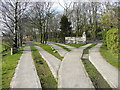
<point>9,63</point>
<point>3,46</point>
<point>96,78</point>
<point>49,50</point>
<point>46,78</point>
<point>67,49</point>
<point>0,72</point>
<point>0,47</point>
<point>76,45</point>
<point>86,51</point>
<point>110,57</point>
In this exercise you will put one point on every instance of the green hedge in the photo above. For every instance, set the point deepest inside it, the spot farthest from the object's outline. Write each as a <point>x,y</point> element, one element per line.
<point>104,36</point>
<point>112,40</point>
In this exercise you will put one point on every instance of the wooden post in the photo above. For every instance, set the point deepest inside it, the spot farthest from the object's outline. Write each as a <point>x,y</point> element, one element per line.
<point>11,51</point>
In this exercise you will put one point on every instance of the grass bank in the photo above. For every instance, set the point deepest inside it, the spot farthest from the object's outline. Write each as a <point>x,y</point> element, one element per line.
<point>9,63</point>
<point>1,48</point>
<point>49,49</point>
<point>86,51</point>
<point>46,78</point>
<point>4,46</point>
<point>110,57</point>
<point>0,78</point>
<point>76,45</point>
<point>67,49</point>
<point>96,78</point>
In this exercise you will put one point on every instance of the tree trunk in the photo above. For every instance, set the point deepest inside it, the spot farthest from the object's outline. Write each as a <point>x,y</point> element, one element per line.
<point>16,26</point>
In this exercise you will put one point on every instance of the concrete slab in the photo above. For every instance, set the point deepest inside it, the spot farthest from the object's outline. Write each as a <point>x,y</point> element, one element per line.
<point>25,73</point>
<point>72,73</point>
<point>109,73</point>
<point>51,60</point>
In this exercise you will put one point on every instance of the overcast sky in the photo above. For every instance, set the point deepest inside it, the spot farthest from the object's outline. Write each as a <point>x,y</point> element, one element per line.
<point>58,7</point>
<point>56,4</point>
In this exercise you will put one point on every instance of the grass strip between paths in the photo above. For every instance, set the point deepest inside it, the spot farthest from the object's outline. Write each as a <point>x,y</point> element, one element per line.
<point>76,45</point>
<point>46,78</point>
<point>48,49</point>
<point>9,63</point>
<point>67,49</point>
<point>110,57</point>
<point>96,78</point>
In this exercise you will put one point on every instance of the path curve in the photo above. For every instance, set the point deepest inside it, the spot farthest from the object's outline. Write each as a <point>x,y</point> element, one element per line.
<point>109,73</point>
<point>51,60</point>
<point>72,73</point>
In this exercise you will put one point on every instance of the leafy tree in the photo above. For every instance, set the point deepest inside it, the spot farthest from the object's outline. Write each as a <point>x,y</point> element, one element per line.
<point>65,28</point>
<point>109,19</point>
<point>112,40</point>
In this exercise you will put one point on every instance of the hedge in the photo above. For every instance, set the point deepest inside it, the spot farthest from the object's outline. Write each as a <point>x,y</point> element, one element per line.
<point>112,40</point>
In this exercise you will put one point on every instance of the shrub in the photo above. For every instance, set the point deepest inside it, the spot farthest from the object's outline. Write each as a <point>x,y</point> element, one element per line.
<point>104,36</point>
<point>112,40</point>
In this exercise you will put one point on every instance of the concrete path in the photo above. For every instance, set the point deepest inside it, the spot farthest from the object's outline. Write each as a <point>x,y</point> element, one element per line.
<point>25,74</point>
<point>60,50</point>
<point>72,73</point>
<point>51,60</point>
<point>109,72</point>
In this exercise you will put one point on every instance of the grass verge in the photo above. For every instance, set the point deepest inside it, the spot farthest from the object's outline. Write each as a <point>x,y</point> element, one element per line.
<point>96,78</point>
<point>46,78</point>
<point>9,63</point>
<point>67,49</point>
<point>86,51</point>
<point>48,49</point>
<point>0,71</point>
<point>110,57</point>
<point>4,46</point>
<point>1,48</point>
<point>76,45</point>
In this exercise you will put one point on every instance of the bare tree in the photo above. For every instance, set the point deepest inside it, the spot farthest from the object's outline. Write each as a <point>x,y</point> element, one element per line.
<point>68,7</point>
<point>12,13</point>
<point>40,17</point>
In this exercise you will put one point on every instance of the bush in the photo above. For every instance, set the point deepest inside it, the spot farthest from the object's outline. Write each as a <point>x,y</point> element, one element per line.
<point>112,40</point>
<point>104,36</point>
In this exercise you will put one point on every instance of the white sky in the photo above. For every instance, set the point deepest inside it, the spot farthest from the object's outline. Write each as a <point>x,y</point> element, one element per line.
<point>57,7</point>
<point>56,4</point>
